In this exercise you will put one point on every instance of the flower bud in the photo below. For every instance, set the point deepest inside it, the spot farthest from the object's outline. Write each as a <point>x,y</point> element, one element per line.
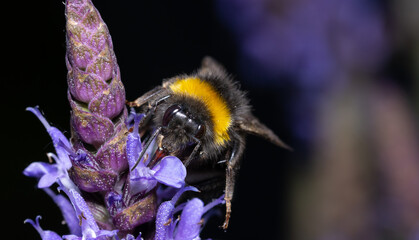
<point>88,176</point>
<point>90,127</point>
<point>142,211</point>
<point>96,93</point>
<point>113,154</point>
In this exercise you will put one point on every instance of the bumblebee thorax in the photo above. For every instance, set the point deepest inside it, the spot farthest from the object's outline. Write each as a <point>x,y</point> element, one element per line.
<point>215,104</point>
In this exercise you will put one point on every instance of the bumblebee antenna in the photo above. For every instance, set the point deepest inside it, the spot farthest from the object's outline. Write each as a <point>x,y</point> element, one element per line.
<point>146,147</point>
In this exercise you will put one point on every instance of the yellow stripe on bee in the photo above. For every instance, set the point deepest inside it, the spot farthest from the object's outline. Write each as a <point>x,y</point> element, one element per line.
<point>216,105</point>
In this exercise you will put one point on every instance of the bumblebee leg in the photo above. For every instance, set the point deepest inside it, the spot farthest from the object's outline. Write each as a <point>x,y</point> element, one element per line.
<point>146,147</point>
<point>151,110</point>
<point>232,168</point>
<point>147,97</point>
<point>144,122</point>
<point>194,151</point>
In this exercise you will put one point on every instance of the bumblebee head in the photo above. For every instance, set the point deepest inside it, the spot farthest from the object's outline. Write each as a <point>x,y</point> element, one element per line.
<point>180,128</point>
<point>177,117</point>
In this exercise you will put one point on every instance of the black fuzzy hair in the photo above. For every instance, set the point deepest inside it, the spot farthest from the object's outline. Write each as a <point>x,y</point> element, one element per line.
<point>236,101</point>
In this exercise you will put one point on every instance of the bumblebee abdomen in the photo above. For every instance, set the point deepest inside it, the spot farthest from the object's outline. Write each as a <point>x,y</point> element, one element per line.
<point>215,104</point>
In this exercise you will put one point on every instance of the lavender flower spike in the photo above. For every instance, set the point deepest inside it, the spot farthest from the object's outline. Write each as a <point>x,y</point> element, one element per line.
<point>97,99</point>
<point>93,73</point>
<point>96,93</point>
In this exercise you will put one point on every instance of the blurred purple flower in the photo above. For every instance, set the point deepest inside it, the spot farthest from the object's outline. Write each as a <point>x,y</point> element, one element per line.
<point>312,39</point>
<point>315,45</point>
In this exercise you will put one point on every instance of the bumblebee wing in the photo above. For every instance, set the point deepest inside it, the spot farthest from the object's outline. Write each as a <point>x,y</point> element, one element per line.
<point>253,126</point>
<point>146,98</point>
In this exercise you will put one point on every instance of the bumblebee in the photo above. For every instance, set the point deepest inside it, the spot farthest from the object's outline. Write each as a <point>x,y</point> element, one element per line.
<point>202,119</point>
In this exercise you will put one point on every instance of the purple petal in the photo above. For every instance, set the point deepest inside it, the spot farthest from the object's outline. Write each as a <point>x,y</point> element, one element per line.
<point>38,169</point>
<point>114,202</point>
<point>72,237</point>
<point>189,224</point>
<point>88,223</point>
<point>170,172</point>
<point>48,179</point>
<point>164,213</point>
<point>50,235</point>
<point>106,233</point>
<point>45,234</point>
<point>83,158</point>
<point>131,237</point>
<point>67,210</point>
<point>47,173</point>
<point>133,148</point>
<point>141,178</point>
<point>142,184</point>
<point>89,227</point>
<point>181,191</point>
<point>129,121</point>
<point>57,137</point>
<point>214,203</point>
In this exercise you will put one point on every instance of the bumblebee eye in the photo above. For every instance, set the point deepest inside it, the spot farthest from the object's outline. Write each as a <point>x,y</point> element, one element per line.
<point>170,112</point>
<point>200,131</point>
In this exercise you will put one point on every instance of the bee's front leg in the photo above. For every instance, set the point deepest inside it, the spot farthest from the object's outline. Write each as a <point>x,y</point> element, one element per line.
<point>148,97</point>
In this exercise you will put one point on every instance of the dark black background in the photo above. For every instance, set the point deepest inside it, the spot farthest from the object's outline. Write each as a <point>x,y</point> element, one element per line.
<point>152,40</point>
